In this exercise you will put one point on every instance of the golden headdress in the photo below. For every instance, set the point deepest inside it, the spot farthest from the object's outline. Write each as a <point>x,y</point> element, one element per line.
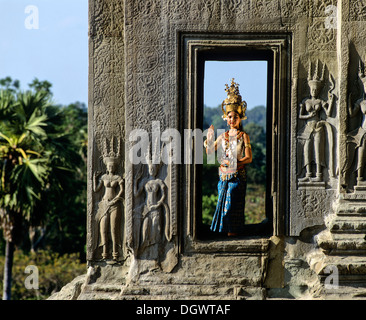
<point>233,102</point>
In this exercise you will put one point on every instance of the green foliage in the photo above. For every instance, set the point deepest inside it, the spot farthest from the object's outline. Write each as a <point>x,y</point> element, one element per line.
<point>24,156</point>
<point>255,204</point>
<point>210,176</point>
<point>66,225</point>
<point>55,271</point>
<point>41,86</point>
<point>43,182</point>
<point>213,116</point>
<point>208,208</point>
<point>257,135</point>
<point>257,115</point>
<point>43,165</point>
<point>9,85</point>
<point>257,169</point>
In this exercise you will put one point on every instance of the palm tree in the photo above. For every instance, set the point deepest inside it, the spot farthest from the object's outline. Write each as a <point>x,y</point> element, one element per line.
<point>32,155</point>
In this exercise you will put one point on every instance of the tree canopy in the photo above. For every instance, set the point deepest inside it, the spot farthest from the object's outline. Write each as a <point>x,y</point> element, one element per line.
<point>42,171</point>
<point>43,167</point>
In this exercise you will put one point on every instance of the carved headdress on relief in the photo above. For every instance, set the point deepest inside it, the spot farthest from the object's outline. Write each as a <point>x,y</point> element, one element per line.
<point>153,156</point>
<point>111,150</point>
<point>316,79</point>
<point>234,101</point>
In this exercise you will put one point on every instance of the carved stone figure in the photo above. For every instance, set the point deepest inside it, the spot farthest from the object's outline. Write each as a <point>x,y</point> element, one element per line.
<point>109,214</point>
<point>154,223</point>
<point>358,136</point>
<point>311,136</point>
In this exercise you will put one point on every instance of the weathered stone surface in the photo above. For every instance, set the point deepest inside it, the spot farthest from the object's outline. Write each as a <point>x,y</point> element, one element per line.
<point>144,58</point>
<point>71,291</point>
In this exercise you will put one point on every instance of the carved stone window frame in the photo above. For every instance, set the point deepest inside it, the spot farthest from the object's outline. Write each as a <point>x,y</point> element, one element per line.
<point>190,50</point>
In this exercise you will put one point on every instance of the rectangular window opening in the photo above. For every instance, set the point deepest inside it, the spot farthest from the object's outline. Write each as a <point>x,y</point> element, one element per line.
<point>253,71</point>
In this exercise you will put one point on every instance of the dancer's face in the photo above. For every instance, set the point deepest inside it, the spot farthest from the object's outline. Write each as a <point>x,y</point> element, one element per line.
<point>233,120</point>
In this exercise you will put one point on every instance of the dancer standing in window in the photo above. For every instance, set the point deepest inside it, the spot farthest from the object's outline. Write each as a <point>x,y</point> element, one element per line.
<point>234,152</point>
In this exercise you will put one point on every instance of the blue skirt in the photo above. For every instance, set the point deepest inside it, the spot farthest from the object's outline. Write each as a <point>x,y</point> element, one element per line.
<point>229,214</point>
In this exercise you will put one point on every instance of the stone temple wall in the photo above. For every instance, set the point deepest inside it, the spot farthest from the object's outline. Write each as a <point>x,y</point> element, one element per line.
<point>144,74</point>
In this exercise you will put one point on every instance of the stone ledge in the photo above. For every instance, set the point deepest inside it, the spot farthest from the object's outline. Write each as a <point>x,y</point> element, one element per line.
<point>352,208</point>
<point>251,246</point>
<point>350,225</point>
<point>192,292</point>
<point>344,247</point>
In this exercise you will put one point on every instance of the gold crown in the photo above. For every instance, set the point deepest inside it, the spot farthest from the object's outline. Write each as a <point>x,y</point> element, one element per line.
<point>234,101</point>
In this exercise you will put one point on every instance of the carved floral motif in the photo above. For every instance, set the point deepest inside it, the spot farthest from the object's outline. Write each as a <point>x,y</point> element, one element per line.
<point>357,10</point>
<point>321,37</point>
<point>318,8</point>
<point>313,203</point>
<point>288,8</point>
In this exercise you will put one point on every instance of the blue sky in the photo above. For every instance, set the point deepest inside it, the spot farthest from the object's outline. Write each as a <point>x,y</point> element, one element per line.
<point>251,76</point>
<point>57,51</point>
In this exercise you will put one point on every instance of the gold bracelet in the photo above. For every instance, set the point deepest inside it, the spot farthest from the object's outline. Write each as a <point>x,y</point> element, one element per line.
<point>248,145</point>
